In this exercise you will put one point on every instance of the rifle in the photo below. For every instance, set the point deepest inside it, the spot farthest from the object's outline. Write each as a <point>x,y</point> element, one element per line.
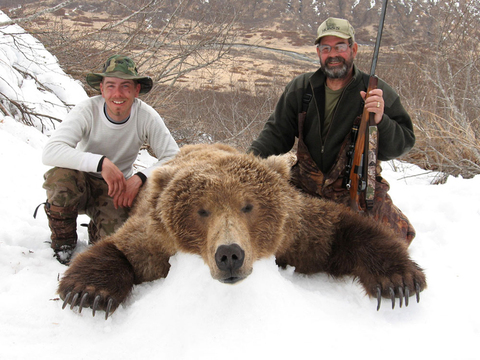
<point>363,165</point>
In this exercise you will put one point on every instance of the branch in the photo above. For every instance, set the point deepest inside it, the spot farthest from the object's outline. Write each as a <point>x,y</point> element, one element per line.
<point>27,113</point>
<point>36,15</point>
<point>4,110</point>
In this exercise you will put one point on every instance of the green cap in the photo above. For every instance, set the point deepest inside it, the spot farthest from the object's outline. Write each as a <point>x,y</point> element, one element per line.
<point>122,67</point>
<point>335,27</point>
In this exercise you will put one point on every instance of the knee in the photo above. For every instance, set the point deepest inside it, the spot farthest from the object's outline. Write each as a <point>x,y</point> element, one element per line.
<point>64,186</point>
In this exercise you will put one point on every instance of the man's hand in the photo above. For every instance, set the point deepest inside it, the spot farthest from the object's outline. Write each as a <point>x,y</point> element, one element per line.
<point>375,103</point>
<point>126,198</point>
<point>123,191</point>
<point>115,179</point>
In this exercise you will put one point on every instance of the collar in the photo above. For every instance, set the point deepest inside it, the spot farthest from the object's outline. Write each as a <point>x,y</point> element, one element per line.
<point>111,120</point>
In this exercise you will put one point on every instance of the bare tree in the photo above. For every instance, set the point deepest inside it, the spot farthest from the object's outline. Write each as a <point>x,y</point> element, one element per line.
<point>442,89</point>
<point>167,39</point>
<point>21,69</point>
<point>234,117</point>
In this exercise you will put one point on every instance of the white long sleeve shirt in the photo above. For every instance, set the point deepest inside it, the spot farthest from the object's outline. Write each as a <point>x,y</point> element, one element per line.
<point>86,135</point>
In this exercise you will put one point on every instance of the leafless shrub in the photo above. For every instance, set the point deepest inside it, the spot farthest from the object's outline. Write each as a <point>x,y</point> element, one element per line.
<point>440,83</point>
<point>166,39</point>
<point>234,117</point>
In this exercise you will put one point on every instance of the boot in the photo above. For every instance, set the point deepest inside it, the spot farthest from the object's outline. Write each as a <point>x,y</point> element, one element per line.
<point>63,224</point>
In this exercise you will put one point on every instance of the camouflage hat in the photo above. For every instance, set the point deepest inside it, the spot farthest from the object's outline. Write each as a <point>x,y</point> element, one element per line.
<point>335,27</point>
<point>121,67</point>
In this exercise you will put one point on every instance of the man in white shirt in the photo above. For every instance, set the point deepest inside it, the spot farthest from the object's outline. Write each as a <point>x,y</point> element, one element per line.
<point>93,152</point>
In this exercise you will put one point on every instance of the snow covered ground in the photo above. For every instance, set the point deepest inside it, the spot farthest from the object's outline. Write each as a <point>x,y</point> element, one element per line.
<point>272,314</point>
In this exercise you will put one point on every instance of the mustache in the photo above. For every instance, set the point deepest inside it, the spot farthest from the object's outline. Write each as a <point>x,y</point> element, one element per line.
<point>335,59</point>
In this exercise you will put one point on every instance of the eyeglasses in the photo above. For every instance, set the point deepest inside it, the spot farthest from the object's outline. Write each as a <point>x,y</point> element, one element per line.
<point>339,48</point>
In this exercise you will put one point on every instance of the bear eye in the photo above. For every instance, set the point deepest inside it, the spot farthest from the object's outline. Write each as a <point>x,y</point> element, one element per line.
<point>203,213</point>
<point>247,208</point>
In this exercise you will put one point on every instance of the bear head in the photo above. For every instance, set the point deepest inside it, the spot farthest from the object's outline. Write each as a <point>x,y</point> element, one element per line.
<point>227,207</point>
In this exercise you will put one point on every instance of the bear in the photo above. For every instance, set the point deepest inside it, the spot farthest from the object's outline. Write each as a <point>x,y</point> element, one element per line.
<point>232,209</point>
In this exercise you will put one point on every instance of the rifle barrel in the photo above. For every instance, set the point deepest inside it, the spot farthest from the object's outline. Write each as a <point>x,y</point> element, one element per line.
<point>379,38</point>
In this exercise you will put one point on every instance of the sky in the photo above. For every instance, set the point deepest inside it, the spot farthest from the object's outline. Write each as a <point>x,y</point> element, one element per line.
<point>274,313</point>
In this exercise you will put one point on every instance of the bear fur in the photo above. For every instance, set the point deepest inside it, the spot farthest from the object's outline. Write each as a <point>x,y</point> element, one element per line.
<point>232,209</point>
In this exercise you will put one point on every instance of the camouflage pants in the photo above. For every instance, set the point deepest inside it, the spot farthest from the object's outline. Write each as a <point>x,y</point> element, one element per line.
<point>86,194</point>
<point>308,177</point>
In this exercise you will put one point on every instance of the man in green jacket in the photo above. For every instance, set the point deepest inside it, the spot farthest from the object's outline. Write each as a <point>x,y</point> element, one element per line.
<point>338,90</point>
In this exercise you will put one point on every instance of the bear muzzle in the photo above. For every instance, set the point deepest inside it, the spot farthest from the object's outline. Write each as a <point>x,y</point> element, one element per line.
<point>229,260</point>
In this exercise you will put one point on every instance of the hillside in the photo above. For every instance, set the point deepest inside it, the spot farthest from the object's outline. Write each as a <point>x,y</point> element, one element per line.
<point>260,29</point>
<point>294,16</point>
<point>266,45</point>
<point>220,65</point>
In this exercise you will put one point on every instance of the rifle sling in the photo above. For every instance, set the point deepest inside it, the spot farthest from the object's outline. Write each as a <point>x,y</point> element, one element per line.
<point>372,165</point>
<point>371,154</point>
<point>307,97</point>
<point>367,169</point>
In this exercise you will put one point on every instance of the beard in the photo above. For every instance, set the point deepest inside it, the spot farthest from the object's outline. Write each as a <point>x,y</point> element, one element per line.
<point>339,71</point>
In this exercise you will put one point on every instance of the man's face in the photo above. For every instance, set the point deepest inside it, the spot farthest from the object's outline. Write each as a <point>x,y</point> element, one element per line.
<point>119,95</point>
<point>336,63</point>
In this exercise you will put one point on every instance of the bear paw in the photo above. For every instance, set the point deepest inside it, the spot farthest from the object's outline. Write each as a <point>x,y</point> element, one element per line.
<point>398,285</point>
<point>100,278</point>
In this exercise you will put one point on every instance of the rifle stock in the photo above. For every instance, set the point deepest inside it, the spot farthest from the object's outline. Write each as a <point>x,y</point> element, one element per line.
<point>358,174</point>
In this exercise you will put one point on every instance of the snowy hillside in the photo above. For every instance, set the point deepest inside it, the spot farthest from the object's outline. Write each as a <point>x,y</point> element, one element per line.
<point>273,314</point>
<point>31,77</point>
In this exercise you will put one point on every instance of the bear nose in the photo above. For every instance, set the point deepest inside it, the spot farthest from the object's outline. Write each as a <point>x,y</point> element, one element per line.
<point>229,257</point>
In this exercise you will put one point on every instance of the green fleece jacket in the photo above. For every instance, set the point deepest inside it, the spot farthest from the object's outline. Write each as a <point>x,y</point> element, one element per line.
<point>396,135</point>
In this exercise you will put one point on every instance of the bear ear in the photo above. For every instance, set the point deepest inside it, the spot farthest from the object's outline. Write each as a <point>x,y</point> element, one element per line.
<point>161,177</point>
<point>157,183</point>
<point>282,163</point>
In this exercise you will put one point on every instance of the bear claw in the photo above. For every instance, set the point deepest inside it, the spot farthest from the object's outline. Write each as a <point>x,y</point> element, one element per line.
<point>67,297</point>
<point>110,308</point>
<point>392,296</point>
<point>402,294</point>
<point>82,302</point>
<point>95,304</point>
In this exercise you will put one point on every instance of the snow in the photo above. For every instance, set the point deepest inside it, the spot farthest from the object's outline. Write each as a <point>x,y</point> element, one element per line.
<point>272,314</point>
<point>41,91</point>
